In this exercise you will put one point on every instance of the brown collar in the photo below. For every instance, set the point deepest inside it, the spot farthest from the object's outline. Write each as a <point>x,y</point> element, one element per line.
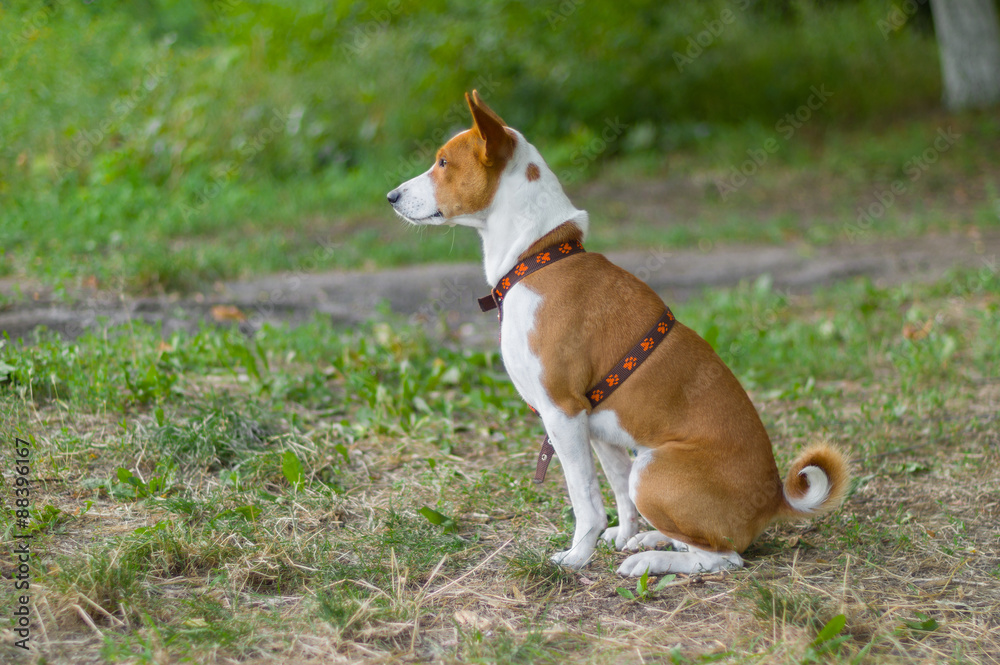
<point>525,267</point>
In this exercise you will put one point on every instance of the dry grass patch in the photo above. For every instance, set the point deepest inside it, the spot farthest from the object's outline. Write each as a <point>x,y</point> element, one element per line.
<point>331,516</point>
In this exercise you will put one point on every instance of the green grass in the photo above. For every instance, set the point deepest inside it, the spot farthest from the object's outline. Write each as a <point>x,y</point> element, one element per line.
<point>173,524</point>
<point>166,146</point>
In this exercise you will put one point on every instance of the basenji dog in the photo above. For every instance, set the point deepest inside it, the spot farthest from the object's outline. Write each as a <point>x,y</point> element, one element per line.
<point>680,441</point>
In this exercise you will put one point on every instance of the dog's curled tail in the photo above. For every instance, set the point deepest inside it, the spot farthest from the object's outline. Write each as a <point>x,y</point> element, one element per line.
<point>816,483</point>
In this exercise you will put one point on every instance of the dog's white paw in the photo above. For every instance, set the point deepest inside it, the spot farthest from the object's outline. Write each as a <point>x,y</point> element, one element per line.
<point>570,559</point>
<point>693,562</point>
<point>637,564</point>
<point>618,536</point>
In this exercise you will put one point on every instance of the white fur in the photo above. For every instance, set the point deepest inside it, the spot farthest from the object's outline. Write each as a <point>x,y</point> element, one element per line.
<point>819,490</point>
<point>523,211</point>
<point>417,203</point>
<point>570,435</point>
<point>642,457</point>
<point>654,539</point>
<point>693,561</point>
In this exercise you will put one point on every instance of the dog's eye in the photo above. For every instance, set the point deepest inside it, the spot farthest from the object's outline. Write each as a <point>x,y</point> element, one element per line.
<point>442,162</point>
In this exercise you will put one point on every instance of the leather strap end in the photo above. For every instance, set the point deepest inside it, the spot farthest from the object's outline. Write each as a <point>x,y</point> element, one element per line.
<point>486,303</point>
<point>544,457</point>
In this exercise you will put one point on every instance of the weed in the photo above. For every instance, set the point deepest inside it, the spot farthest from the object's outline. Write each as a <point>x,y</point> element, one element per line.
<point>642,589</point>
<point>536,570</point>
<point>827,641</point>
<point>244,523</point>
<point>447,524</point>
<point>522,648</point>
<point>218,437</point>
<point>780,605</point>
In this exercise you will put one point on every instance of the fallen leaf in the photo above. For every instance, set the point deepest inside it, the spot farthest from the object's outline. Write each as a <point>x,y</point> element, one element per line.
<point>913,332</point>
<point>228,313</point>
<point>470,618</point>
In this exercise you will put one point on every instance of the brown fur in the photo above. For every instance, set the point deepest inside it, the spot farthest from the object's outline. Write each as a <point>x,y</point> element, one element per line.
<point>532,173</point>
<point>712,481</point>
<point>474,162</point>
<point>832,462</point>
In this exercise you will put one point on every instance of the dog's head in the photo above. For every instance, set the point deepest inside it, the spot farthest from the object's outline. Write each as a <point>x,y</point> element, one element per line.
<point>463,181</point>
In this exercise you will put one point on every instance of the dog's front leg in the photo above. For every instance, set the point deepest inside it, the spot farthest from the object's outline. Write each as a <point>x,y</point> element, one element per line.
<point>570,436</point>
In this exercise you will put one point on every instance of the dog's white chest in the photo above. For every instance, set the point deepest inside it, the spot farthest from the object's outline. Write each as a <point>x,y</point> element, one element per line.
<point>520,307</point>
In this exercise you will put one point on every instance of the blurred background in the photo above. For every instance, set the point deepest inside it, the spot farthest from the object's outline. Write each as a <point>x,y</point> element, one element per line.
<point>161,146</point>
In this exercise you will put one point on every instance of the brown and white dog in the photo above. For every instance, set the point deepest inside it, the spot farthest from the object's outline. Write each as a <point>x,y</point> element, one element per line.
<point>704,474</point>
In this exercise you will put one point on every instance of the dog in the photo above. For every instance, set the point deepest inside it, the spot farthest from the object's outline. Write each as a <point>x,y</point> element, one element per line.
<point>703,474</point>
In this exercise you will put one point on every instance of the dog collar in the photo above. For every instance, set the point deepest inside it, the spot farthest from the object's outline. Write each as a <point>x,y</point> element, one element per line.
<point>531,264</point>
<point>625,367</point>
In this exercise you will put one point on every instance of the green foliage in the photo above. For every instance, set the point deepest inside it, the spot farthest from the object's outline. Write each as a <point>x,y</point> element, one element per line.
<point>217,436</point>
<point>291,468</point>
<point>507,646</point>
<point>140,489</point>
<point>215,128</point>
<point>827,641</point>
<point>447,524</point>
<point>922,623</point>
<point>48,519</point>
<point>642,589</point>
<point>538,572</point>
<point>350,607</point>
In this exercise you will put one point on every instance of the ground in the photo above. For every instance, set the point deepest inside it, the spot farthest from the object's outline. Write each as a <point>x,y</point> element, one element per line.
<point>361,493</point>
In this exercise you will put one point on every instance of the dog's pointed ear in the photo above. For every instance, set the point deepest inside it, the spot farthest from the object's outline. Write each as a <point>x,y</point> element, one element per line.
<point>499,145</point>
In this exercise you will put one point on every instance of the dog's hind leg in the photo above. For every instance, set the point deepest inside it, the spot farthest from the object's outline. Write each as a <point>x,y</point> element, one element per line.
<point>693,561</point>
<point>654,539</point>
<point>617,466</point>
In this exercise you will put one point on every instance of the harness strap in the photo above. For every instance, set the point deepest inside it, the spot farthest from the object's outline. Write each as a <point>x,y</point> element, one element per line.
<point>635,357</point>
<point>625,367</point>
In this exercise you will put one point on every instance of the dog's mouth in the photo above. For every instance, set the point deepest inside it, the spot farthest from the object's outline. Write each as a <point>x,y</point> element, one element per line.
<point>421,220</point>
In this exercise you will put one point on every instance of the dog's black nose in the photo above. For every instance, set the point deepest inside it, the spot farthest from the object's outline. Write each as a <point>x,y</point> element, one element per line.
<point>393,196</point>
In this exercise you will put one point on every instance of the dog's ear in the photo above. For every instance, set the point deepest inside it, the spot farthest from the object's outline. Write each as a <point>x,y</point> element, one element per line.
<point>499,145</point>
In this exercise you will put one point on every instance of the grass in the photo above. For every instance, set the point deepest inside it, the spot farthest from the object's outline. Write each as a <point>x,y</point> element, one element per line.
<point>810,192</point>
<point>366,494</point>
<point>163,147</point>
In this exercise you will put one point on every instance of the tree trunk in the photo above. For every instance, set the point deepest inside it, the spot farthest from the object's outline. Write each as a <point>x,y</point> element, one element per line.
<point>968,36</point>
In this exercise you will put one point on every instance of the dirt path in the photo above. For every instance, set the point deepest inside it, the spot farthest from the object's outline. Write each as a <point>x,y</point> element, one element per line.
<point>427,290</point>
